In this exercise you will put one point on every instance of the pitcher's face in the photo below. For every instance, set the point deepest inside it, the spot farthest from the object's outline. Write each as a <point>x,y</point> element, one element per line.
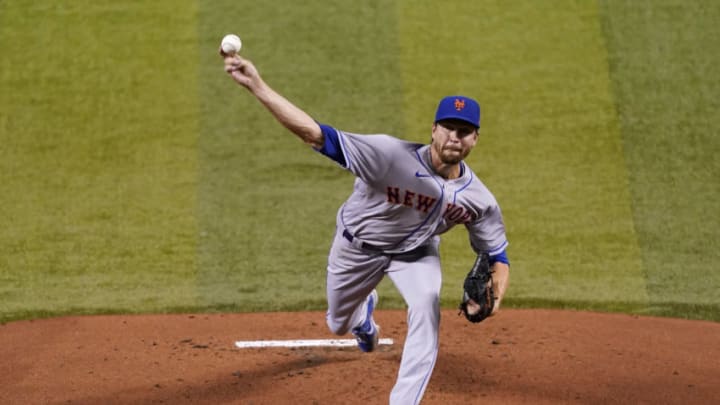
<point>453,140</point>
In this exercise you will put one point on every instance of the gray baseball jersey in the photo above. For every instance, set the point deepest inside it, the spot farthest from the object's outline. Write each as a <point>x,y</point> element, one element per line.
<point>399,203</point>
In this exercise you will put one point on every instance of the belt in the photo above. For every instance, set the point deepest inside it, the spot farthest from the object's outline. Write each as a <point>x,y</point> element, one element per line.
<point>364,245</point>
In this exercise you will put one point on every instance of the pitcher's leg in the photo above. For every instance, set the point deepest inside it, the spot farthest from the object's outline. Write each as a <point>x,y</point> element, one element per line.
<point>346,297</point>
<point>419,283</point>
<point>352,274</point>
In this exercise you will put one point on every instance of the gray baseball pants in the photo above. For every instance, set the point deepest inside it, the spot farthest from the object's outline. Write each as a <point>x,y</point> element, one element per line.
<point>354,272</point>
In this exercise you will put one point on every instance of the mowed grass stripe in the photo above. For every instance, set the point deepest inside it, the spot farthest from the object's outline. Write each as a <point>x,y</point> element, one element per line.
<point>267,202</point>
<point>97,156</point>
<point>664,69</point>
<point>550,146</point>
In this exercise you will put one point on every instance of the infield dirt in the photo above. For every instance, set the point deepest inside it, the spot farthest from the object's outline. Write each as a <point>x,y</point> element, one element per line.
<point>517,357</point>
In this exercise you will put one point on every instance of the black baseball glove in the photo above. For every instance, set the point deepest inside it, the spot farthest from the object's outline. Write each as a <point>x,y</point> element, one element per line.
<point>478,287</point>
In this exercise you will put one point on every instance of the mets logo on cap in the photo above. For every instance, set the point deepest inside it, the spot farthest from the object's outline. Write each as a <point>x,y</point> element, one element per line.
<point>459,104</point>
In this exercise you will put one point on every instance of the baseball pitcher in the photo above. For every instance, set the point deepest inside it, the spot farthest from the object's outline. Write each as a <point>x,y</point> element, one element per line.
<point>405,196</point>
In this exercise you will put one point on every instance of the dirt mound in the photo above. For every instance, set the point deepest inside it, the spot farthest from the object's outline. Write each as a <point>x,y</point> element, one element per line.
<point>518,357</point>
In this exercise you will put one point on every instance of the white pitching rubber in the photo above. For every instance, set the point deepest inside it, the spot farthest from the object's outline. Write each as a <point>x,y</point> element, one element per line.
<point>304,343</point>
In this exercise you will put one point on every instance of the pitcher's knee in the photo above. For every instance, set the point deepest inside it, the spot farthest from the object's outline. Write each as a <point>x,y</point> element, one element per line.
<point>336,326</point>
<point>427,302</point>
<point>425,309</point>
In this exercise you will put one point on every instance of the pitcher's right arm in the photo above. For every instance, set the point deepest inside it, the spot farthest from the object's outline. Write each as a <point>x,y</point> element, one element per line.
<point>289,115</point>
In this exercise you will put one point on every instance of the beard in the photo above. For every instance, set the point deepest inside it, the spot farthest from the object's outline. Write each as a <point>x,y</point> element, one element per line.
<point>451,156</point>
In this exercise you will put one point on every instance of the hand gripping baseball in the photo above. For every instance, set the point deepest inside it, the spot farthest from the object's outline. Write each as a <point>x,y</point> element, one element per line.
<point>478,296</point>
<point>241,70</point>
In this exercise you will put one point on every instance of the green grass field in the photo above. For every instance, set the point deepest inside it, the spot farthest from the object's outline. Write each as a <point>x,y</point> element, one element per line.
<point>136,177</point>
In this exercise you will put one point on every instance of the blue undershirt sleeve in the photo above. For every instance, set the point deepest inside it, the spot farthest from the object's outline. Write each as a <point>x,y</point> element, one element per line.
<point>331,145</point>
<point>500,257</point>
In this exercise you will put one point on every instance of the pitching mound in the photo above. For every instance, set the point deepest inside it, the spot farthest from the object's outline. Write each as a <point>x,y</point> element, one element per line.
<point>518,357</point>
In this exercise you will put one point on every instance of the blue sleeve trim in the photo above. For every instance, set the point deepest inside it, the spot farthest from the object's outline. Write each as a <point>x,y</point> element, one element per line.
<point>331,145</point>
<point>500,257</point>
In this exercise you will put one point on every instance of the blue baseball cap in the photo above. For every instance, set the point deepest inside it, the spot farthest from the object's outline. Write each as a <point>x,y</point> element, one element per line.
<point>459,108</point>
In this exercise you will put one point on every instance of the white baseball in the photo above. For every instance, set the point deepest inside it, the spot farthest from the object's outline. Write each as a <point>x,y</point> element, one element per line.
<point>231,44</point>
